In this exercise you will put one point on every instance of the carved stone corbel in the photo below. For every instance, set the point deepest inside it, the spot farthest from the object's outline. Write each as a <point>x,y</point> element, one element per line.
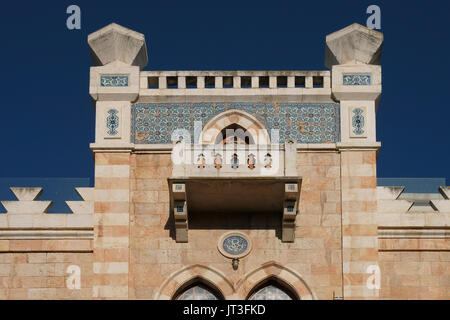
<point>180,212</point>
<point>291,196</point>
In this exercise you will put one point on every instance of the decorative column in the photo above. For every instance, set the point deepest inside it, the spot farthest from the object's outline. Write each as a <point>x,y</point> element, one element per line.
<point>353,55</point>
<point>118,55</point>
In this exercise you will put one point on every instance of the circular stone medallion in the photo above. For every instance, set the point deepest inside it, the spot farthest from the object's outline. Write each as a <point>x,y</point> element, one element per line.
<point>234,245</point>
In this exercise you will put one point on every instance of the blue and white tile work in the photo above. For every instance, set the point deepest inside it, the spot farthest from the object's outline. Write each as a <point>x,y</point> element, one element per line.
<point>356,79</point>
<point>112,122</point>
<point>153,123</point>
<point>114,81</point>
<point>358,121</point>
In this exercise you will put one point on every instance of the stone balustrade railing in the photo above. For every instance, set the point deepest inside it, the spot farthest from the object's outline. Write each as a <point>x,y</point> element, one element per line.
<point>235,160</point>
<point>234,79</point>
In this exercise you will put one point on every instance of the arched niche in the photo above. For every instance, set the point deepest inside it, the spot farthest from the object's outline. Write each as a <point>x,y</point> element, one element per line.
<point>189,275</point>
<point>198,289</point>
<point>238,119</point>
<point>278,274</point>
<point>272,288</point>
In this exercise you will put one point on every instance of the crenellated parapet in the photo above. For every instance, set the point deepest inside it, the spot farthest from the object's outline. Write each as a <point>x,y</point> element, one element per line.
<point>442,205</point>
<point>393,200</point>
<point>413,221</point>
<point>28,217</point>
<point>389,202</point>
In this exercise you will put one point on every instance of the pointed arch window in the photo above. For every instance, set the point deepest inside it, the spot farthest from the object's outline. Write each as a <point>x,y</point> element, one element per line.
<point>234,134</point>
<point>272,290</point>
<point>198,291</point>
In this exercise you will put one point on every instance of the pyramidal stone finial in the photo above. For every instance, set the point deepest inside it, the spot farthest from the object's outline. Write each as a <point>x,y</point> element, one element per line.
<point>116,43</point>
<point>353,44</point>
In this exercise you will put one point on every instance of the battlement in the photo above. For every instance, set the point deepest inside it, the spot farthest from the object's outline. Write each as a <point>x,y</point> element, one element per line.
<point>235,83</point>
<point>425,217</point>
<point>28,217</point>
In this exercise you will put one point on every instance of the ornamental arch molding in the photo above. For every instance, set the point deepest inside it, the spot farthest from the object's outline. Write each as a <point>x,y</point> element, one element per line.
<point>186,275</point>
<point>274,271</point>
<point>241,118</point>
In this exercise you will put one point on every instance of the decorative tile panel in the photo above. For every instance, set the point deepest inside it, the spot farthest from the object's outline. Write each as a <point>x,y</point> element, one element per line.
<point>153,123</point>
<point>358,121</point>
<point>112,122</point>
<point>356,79</point>
<point>235,245</point>
<point>114,81</point>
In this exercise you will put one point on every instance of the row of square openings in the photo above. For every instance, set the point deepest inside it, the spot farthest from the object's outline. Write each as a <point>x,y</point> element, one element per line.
<point>246,82</point>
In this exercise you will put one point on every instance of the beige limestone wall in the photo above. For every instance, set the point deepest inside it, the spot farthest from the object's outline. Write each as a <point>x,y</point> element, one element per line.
<point>319,221</point>
<point>359,224</point>
<point>415,274</point>
<point>43,275</point>
<point>311,264</point>
<point>111,226</point>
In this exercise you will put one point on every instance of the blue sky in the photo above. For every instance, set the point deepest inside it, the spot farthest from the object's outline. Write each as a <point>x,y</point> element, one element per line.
<point>47,118</point>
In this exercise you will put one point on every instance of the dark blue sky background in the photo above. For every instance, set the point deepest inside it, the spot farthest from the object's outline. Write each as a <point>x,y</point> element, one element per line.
<point>47,118</point>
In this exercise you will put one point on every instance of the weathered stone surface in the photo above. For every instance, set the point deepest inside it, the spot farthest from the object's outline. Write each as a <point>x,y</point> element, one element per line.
<point>26,194</point>
<point>353,44</point>
<point>116,43</point>
<point>389,193</point>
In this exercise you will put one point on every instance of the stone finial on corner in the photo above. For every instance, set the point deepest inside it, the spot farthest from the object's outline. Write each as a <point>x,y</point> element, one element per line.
<point>354,44</point>
<point>116,43</point>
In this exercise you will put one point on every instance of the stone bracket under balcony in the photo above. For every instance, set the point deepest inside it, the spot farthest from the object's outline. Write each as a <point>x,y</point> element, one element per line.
<point>218,198</point>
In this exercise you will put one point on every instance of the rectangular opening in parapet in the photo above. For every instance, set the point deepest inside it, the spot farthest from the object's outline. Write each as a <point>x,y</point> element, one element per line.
<point>318,82</point>
<point>210,82</point>
<point>264,82</point>
<point>191,82</point>
<point>300,82</point>
<point>246,82</point>
<point>172,82</point>
<point>228,82</point>
<point>153,82</point>
<point>282,82</point>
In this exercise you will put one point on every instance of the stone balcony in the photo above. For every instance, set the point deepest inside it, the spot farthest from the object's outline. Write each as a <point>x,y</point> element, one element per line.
<point>276,160</point>
<point>234,179</point>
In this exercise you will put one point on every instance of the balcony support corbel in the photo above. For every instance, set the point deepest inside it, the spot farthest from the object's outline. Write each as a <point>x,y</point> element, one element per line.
<point>290,209</point>
<point>180,213</point>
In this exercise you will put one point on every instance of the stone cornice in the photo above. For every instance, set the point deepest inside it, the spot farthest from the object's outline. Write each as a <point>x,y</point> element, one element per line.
<point>415,233</point>
<point>348,146</point>
<point>167,148</point>
<point>56,234</point>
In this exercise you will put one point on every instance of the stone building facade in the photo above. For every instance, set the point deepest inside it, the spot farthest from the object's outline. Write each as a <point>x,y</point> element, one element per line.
<point>230,185</point>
